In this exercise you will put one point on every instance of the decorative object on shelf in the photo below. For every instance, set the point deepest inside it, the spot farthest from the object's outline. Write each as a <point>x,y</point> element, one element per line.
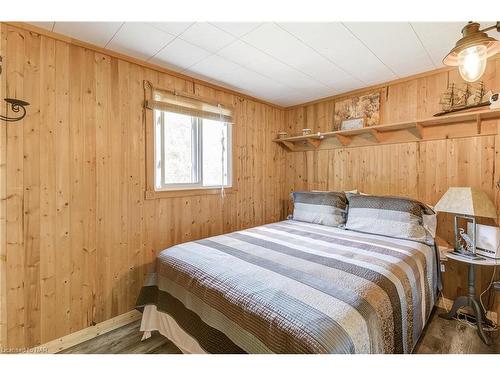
<point>306,131</point>
<point>472,50</point>
<point>366,106</point>
<point>466,203</point>
<point>355,123</point>
<point>282,135</point>
<point>15,105</point>
<point>495,101</point>
<point>461,97</point>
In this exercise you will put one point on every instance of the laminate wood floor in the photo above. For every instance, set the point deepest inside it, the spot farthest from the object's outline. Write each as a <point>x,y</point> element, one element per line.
<point>440,337</point>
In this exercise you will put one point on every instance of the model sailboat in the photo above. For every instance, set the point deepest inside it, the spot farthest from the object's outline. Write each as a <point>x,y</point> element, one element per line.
<point>460,97</point>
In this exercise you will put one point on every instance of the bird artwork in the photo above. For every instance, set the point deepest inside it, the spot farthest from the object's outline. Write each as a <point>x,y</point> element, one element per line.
<point>469,244</point>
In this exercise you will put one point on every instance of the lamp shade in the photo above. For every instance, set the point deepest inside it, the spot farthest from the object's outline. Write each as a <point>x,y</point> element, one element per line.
<point>466,201</point>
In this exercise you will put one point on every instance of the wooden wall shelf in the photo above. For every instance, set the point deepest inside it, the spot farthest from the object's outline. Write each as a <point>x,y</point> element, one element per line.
<point>380,132</point>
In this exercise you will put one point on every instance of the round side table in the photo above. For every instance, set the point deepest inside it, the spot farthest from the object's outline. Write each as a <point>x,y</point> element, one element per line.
<point>470,299</point>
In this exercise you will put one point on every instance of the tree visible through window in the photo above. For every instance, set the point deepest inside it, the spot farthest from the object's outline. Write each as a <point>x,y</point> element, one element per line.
<point>191,152</point>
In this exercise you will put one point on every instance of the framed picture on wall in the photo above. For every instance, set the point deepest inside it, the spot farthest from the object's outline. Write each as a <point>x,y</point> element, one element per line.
<point>354,123</point>
<point>363,106</point>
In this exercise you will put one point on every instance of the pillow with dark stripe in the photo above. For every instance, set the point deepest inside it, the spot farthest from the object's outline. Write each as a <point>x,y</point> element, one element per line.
<point>326,208</point>
<point>389,216</point>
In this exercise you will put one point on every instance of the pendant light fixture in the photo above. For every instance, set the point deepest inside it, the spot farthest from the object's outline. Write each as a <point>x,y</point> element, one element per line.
<point>472,50</point>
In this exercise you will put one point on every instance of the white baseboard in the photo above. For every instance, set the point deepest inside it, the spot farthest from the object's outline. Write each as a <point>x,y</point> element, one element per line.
<point>88,333</point>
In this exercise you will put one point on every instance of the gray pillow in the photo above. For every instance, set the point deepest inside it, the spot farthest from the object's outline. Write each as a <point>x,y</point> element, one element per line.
<point>397,217</point>
<point>325,208</point>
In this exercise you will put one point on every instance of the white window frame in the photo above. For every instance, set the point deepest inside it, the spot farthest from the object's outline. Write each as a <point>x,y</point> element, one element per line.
<point>197,171</point>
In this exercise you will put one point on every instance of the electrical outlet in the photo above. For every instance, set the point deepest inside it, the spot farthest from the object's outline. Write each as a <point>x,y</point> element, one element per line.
<point>443,269</point>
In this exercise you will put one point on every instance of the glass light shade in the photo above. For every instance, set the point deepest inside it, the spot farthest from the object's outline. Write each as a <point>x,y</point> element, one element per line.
<point>472,62</point>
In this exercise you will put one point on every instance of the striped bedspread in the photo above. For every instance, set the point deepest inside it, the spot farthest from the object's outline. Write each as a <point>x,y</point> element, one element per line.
<point>294,287</point>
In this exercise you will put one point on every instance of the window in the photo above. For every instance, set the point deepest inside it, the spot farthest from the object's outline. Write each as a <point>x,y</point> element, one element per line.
<point>191,152</point>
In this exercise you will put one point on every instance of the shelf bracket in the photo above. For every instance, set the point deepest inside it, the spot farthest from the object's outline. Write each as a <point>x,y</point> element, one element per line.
<point>420,130</point>
<point>288,145</point>
<point>314,142</point>
<point>343,139</point>
<point>379,137</point>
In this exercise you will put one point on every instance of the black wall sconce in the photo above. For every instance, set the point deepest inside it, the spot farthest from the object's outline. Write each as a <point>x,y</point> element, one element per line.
<point>16,105</point>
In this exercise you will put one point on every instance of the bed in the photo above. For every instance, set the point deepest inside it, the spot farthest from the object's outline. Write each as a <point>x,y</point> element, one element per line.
<point>291,287</point>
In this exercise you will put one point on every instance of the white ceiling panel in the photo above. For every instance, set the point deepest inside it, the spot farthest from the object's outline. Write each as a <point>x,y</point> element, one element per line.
<point>395,44</point>
<point>139,40</point>
<point>207,36</point>
<point>179,55</point>
<point>250,57</point>
<point>174,28</point>
<point>438,38</point>
<point>285,63</point>
<point>237,29</point>
<point>238,77</point>
<point>335,42</point>
<point>285,47</point>
<point>98,33</point>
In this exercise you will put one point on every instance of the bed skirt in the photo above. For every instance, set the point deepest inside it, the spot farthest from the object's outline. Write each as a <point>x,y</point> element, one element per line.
<point>154,320</point>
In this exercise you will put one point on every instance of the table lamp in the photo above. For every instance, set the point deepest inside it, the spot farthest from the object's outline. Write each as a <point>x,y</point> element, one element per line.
<point>466,203</point>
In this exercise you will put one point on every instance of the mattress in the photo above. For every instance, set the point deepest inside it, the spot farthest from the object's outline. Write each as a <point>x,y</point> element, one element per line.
<point>292,287</point>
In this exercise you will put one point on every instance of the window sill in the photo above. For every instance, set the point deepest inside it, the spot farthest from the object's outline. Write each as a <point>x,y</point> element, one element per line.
<point>153,194</point>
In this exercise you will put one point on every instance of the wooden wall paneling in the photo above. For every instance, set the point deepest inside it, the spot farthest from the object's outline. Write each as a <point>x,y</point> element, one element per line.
<point>429,90</point>
<point>63,192</point>
<point>31,182</point>
<point>103,175</point>
<point>89,182</point>
<point>122,128</point>
<point>48,189</point>
<point>136,160</point>
<point>400,103</point>
<point>15,252</point>
<point>77,202</point>
<point>3,197</point>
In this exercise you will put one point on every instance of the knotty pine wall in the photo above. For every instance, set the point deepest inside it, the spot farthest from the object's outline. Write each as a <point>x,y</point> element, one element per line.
<point>77,233</point>
<point>423,170</point>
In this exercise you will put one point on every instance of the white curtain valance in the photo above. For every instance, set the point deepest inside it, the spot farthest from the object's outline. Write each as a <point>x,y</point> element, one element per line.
<point>165,100</point>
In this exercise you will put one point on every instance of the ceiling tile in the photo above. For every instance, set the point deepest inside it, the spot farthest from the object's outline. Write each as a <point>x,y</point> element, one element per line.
<point>207,36</point>
<point>250,57</point>
<point>438,38</point>
<point>174,28</point>
<point>280,44</point>
<point>139,40</point>
<point>98,33</point>
<point>237,77</point>
<point>179,55</point>
<point>395,44</point>
<point>337,44</point>
<point>44,25</point>
<point>238,29</point>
